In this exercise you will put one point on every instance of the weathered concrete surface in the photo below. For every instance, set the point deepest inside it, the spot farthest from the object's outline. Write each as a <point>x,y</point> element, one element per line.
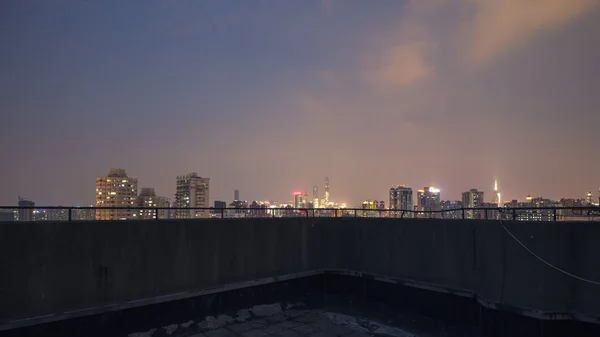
<point>48,268</point>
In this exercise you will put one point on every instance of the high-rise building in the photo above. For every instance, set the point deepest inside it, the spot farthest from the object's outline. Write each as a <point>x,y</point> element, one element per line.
<point>472,199</point>
<point>115,190</point>
<point>326,191</point>
<point>192,191</point>
<point>452,209</point>
<point>428,201</point>
<point>236,195</point>
<point>589,198</point>
<point>147,202</point>
<point>26,214</point>
<point>297,200</point>
<point>315,192</point>
<point>496,199</point>
<point>401,199</point>
<point>220,204</point>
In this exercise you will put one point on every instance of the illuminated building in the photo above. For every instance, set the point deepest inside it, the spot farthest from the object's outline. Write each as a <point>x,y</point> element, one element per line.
<point>297,200</point>
<point>589,198</point>
<point>496,199</point>
<point>472,199</point>
<point>369,205</point>
<point>326,191</point>
<point>83,214</point>
<point>315,197</point>
<point>401,198</point>
<point>146,203</point>
<point>369,208</point>
<point>115,190</point>
<point>428,200</point>
<point>192,191</point>
<point>452,209</point>
<point>26,214</point>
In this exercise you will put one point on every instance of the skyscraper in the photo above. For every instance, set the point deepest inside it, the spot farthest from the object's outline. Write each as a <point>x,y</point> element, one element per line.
<point>326,191</point>
<point>315,200</point>
<point>472,199</point>
<point>297,200</point>
<point>115,190</point>
<point>401,198</point>
<point>192,192</point>
<point>496,200</point>
<point>236,195</point>
<point>428,200</point>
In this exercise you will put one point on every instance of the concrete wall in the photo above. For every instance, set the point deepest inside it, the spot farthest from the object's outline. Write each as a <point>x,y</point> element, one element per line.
<point>49,267</point>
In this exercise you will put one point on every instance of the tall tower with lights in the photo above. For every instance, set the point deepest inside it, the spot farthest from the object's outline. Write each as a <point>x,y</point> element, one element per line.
<point>496,199</point>
<point>326,190</point>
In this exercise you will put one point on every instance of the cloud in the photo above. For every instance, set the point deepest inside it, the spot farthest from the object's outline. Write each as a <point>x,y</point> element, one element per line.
<point>497,26</point>
<point>401,65</point>
<point>401,58</point>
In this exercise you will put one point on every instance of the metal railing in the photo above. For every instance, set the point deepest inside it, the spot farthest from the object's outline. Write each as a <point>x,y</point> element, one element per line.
<point>62,213</point>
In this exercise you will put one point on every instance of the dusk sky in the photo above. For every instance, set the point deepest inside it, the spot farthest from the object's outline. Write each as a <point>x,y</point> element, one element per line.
<point>269,97</point>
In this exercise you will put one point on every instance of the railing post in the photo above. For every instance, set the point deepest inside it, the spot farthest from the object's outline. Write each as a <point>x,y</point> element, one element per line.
<point>554,214</point>
<point>463,213</point>
<point>70,213</point>
<point>514,214</point>
<point>156,213</point>
<point>222,213</point>
<point>486,214</point>
<point>336,214</point>
<point>355,212</point>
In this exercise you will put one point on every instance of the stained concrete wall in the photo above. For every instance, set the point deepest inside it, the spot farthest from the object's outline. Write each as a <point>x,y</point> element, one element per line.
<point>49,267</point>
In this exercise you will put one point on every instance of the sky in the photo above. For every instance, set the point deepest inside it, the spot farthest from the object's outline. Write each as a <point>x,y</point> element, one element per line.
<point>270,96</point>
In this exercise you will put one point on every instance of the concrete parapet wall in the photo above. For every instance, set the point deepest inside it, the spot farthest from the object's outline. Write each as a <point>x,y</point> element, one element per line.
<point>49,268</point>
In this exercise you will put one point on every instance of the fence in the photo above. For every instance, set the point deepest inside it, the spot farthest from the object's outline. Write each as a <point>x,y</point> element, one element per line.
<point>61,213</point>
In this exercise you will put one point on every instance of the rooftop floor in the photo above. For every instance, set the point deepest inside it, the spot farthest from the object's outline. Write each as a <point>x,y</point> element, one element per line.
<point>299,319</point>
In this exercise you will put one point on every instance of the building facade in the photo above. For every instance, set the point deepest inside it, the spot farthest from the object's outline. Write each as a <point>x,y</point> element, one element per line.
<point>149,205</point>
<point>26,214</point>
<point>429,203</point>
<point>401,199</point>
<point>451,209</point>
<point>192,191</point>
<point>472,199</point>
<point>115,190</point>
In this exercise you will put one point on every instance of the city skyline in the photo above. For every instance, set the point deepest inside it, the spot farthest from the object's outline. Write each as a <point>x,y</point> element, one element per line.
<point>192,190</point>
<point>372,95</point>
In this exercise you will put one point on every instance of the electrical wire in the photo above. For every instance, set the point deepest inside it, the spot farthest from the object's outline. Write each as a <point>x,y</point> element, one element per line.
<point>546,262</point>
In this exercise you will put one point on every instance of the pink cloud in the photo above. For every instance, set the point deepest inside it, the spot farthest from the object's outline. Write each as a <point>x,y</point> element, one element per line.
<point>497,26</point>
